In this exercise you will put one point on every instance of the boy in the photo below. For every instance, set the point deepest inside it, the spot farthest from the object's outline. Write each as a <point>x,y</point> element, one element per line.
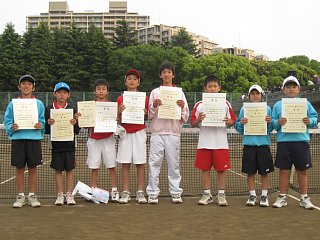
<point>293,148</point>
<point>26,145</point>
<point>102,146</point>
<point>165,140</point>
<point>256,151</point>
<point>213,149</point>
<point>63,152</point>
<point>133,148</point>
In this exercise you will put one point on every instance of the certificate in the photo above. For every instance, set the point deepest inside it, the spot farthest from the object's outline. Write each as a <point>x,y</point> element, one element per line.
<point>106,117</point>
<point>134,103</point>
<point>294,110</point>
<point>256,114</point>
<point>62,129</point>
<point>169,108</point>
<point>214,106</point>
<point>25,112</point>
<point>88,113</point>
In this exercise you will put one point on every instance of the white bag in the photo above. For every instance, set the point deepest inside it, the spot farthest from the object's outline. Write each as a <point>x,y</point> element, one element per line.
<point>96,195</point>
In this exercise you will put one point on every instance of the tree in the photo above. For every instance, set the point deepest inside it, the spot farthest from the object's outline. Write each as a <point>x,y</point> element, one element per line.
<point>124,35</point>
<point>185,41</point>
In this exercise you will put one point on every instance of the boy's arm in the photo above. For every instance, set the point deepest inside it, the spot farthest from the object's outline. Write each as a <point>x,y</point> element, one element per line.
<point>8,119</point>
<point>232,120</point>
<point>276,114</point>
<point>239,125</point>
<point>41,117</point>
<point>312,115</point>
<point>185,110</point>
<point>269,124</point>
<point>152,110</point>
<point>47,116</point>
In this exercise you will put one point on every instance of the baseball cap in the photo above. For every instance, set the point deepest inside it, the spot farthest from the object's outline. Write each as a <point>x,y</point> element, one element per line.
<point>255,87</point>
<point>134,72</point>
<point>27,78</point>
<point>61,85</point>
<point>290,79</point>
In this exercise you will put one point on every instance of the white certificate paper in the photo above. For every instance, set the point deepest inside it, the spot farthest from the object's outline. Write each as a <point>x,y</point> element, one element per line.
<point>62,129</point>
<point>169,108</point>
<point>134,103</point>
<point>88,113</point>
<point>214,106</point>
<point>106,117</point>
<point>256,114</point>
<point>25,112</point>
<point>294,110</point>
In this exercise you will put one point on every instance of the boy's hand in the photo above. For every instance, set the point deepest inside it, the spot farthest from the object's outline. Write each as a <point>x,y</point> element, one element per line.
<point>201,117</point>
<point>38,126</point>
<point>77,115</point>
<point>156,103</point>
<point>229,121</point>
<point>121,108</point>
<point>50,121</point>
<point>243,120</point>
<point>180,103</point>
<point>73,121</point>
<point>268,119</point>
<point>306,121</point>
<point>14,127</point>
<point>282,121</point>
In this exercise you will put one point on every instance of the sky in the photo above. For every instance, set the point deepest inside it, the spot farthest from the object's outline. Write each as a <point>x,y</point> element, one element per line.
<point>276,28</point>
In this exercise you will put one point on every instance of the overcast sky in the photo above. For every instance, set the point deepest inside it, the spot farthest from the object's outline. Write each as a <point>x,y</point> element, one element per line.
<point>276,28</point>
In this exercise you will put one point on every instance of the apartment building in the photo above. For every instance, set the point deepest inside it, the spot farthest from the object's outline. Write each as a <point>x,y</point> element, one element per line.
<point>247,53</point>
<point>59,16</point>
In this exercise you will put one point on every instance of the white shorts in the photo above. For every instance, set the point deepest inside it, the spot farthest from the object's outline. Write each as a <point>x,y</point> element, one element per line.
<point>103,150</point>
<point>133,148</point>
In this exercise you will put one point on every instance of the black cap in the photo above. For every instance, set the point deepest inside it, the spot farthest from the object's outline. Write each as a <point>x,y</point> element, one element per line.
<point>28,78</point>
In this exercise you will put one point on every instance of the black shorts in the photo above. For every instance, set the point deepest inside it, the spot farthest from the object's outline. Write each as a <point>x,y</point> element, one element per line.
<point>257,159</point>
<point>26,152</point>
<point>296,153</point>
<point>63,161</point>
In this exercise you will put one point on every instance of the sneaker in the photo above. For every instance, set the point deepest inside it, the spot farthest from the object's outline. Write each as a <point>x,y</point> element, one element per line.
<point>20,201</point>
<point>153,199</point>
<point>280,202</point>
<point>306,203</point>
<point>140,197</point>
<point>125,198</point>
<point>60,199</point>
<point>33,201</point>
<point>251,200</point>
<point>221,199</point>
<point>264,202</point>
<point>176,198</point>
<point>70,199</point>
<point>114,196</point>
<point>205,199</point>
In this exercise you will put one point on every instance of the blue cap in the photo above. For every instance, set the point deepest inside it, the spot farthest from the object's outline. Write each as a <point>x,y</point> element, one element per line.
<point>61,85</point>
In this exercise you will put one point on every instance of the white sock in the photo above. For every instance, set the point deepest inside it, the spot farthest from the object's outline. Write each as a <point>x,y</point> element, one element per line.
<point>221,191</point>
<point>253,193</point>
<point>206,191</point>
<point>304,196</point>
<point>31,194</point>
<point>21,194</point>
<point>264,193</point>
<point>283,195</point>
<point>114,189</point>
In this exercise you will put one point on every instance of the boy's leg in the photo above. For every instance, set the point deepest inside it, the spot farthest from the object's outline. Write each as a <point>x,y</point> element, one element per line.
<point>221,177</point>
<point>113,177</point>
<point>303,181</point>
<point>283,181</point>
<point>69,183</point>
<point>140,176</point>
<point>125,176</point>
<point>94,177</point>
<point>32,179</point>
<point>252,190</point>
<point>205,177</point>
<point>58,175</point>
<point>20,179</point>
<point>251,182</point>
<point>264,202</point>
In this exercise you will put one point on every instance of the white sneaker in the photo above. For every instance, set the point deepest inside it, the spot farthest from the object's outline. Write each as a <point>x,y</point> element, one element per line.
<point>176,198</point>
<point>60,199</point>
<point>306,203</point>
<point>153,199</point>
<point>20,202</point>
<point>125,198</point>
<point>251,200</point>
<point>221,199</point>
<point>280,202</point>
<point>33,201</point>
<point>70,199</point>
<point>114,196</point>
<point>206,199</point>
<point>264,202</point>
<point>140,197</point>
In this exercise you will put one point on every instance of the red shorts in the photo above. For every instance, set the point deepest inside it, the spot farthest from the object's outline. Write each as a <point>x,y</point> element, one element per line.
<point>218,158</point>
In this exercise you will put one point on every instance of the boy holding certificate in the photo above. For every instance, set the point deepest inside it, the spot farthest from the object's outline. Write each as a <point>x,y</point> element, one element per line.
<point>133,146</point>
<point>25,145</point>
<point>256,145</point>
<point>213,148</point>
<point>293,142</point>
<point>165,136</point>
<point>63,152</point>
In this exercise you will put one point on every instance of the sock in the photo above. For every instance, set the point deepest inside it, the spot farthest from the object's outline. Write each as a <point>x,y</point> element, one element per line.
<point>283,195</point>
<point>253,193</point>
<point>31,194</point>
<point>221,191</point>
<point>21,194</point>
<point>114,189</point>
<point>264,193</point>
<point>207,191</point>
<point>304,196</point>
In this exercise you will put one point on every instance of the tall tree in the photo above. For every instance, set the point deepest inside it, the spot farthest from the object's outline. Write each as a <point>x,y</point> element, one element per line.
<point>125,35</point>
<point>185,41</point>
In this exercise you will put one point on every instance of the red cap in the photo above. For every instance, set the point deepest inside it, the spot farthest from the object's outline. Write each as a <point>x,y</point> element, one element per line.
<point>133,72</point>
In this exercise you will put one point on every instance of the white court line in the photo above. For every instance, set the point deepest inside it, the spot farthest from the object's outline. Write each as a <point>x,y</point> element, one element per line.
<point>291,196</point>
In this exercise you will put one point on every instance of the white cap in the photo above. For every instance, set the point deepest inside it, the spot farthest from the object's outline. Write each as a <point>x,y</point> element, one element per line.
<point>256,87</point>
<point>290,79</point>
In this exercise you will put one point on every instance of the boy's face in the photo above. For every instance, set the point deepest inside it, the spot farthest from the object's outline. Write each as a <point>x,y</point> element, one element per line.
<point>101,92</point>
<point>132,82</point>
<point>26,88</point>
<point>255,96</point>
<point>212,87</point>
<point>167,76</point>
<point>291,90</point>
<point>62,95</point>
